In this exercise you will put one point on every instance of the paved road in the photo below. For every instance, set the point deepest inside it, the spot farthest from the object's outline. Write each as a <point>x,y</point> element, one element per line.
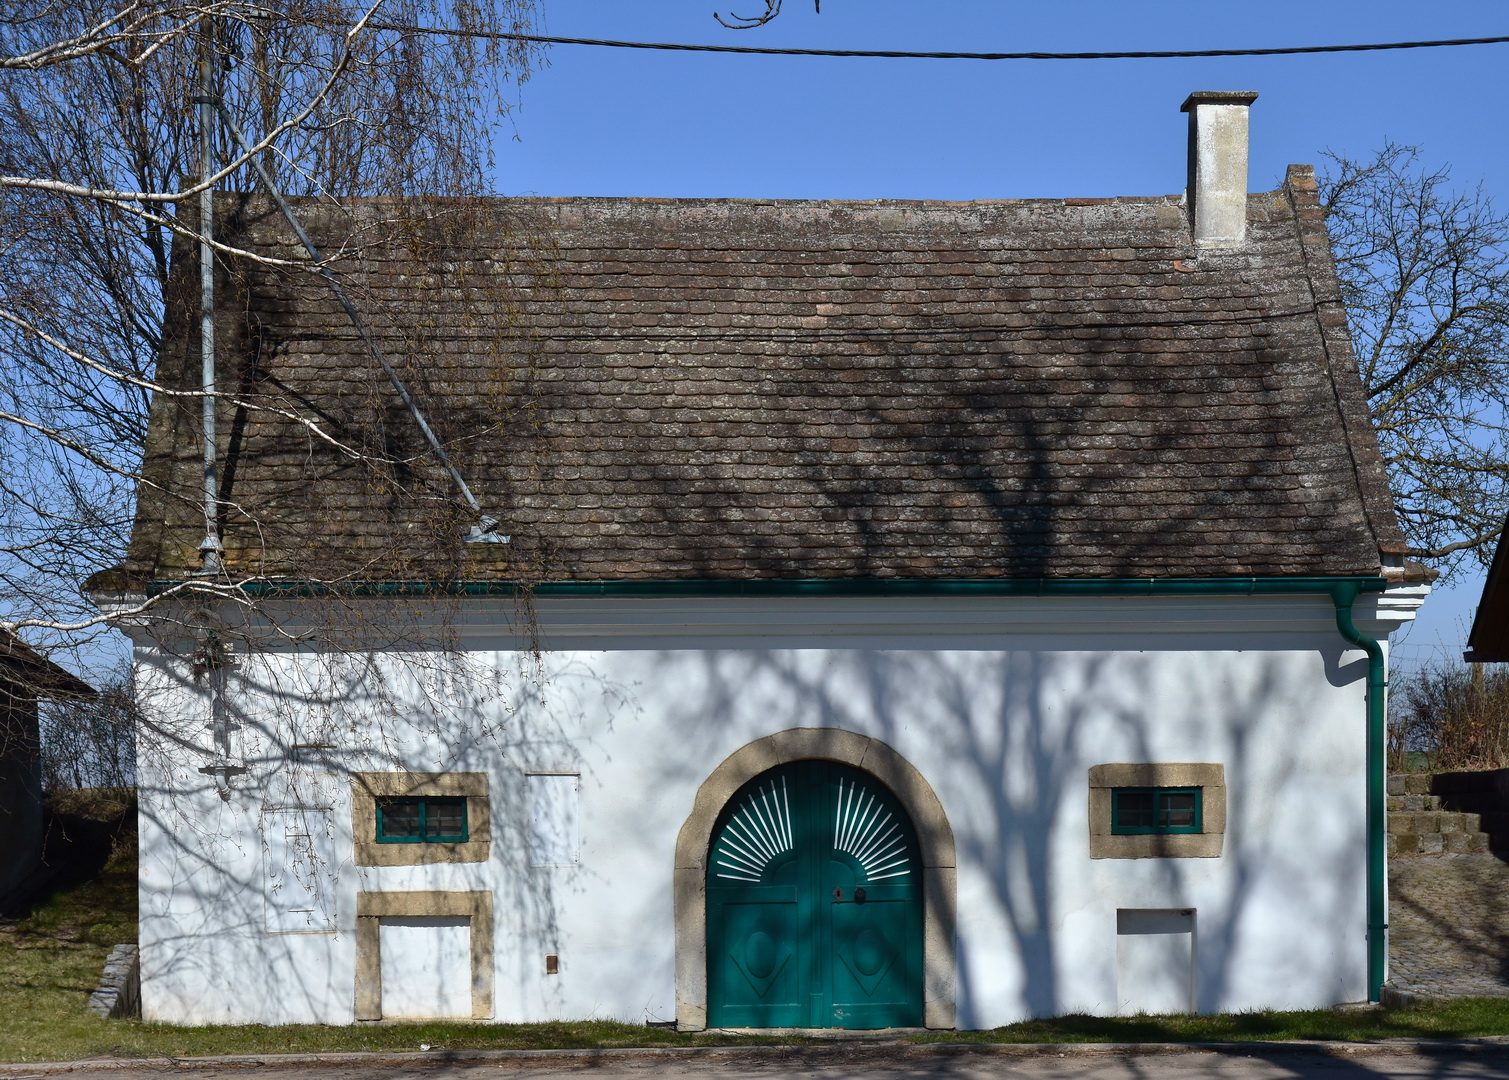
<point>1449,924</point>
<point>1253,1064</point>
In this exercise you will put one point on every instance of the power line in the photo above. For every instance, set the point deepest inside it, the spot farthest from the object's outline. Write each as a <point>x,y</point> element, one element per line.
<point>896,54</point>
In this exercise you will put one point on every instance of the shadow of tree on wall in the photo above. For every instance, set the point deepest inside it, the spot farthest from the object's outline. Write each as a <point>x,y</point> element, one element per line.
<point>216,846</point>
<point>1006,739</point>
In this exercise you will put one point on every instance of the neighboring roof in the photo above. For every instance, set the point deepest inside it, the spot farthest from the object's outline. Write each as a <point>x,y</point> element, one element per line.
<point>680,389</point>
<point>1489,641</point>
<point>24,669</point>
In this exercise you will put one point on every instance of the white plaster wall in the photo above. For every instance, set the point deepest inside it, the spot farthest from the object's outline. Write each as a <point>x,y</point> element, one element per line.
<point>1003,705</point>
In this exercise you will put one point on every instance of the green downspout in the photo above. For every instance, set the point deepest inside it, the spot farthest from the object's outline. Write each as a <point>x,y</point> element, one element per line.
<point>1343,592</point>
<point>1344,596</point>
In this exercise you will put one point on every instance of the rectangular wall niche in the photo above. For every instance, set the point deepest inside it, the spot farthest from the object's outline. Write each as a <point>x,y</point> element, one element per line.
<point>299,861</point>
<point>554,837</point>
<point>1155,961</point>
<point>426,967</point>
<point>426,953</point>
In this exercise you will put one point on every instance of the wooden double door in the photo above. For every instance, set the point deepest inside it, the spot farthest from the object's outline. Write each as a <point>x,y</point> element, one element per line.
<point>814,904</point>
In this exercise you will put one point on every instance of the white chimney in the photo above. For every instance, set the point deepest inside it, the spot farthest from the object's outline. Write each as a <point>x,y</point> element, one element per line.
<point>1217,192</point>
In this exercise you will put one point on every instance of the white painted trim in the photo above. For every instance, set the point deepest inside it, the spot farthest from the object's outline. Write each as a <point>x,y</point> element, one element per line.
<point>1073,623</point>
<point>1068,623</point>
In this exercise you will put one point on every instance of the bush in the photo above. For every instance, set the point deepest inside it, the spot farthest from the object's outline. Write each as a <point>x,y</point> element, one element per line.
<point>1457,715</point>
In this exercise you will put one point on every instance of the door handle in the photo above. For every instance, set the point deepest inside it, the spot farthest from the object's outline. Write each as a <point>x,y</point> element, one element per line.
<point>838,894</point>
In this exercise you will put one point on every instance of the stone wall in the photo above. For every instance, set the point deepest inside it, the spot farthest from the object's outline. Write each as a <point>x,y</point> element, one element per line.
<point>119,991</point>
<point>1457,813</point>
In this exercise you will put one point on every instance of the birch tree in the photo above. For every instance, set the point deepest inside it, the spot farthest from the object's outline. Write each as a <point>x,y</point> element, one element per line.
<point>100,170</point>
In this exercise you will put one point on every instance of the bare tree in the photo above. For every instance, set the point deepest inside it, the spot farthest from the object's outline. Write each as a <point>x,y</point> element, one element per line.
<point>749,22</point>
<point>1425,277</point>
<point>91,743</point>
<point>314,104</point>
<point>100,170</point>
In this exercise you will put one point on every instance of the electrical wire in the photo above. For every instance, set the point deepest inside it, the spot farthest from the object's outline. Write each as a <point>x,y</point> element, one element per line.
<point>896,54</point>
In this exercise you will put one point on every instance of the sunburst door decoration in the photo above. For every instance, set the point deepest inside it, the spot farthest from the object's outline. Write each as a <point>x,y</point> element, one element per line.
<point>864,829</point>
<point>756,835</point>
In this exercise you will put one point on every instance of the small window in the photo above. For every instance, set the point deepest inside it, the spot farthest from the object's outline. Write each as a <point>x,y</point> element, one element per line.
<point>421,821</point>
<point>1155,811</point>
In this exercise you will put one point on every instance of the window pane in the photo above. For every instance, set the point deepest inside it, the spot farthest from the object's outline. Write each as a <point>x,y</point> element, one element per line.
<point>1177,811</point>
<point>400,819</point>
<point>445,819</point>
<point>1134,809</point>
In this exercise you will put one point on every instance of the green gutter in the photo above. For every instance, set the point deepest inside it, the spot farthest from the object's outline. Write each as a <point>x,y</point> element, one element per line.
<point>1343,591</point>
<point>820,587</point>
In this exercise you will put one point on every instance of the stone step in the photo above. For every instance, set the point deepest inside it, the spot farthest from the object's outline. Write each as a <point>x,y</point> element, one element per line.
<point>1413,802</point>
<point>1458,843</point>
<point>1409,784</point>
<point>1422,823</point>
<point>1434,821</point>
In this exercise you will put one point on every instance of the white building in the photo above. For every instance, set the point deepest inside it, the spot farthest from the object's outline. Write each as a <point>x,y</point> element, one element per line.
<point>946,614</point>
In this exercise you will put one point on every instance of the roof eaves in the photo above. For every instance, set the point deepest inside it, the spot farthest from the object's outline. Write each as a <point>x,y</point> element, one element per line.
<point>23,666</point>
<point>1488,643</point>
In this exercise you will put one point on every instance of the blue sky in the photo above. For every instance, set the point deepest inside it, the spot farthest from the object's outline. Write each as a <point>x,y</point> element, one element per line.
<point>620,122</point>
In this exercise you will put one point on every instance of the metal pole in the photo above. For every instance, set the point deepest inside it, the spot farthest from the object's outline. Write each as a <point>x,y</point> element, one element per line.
<point>485,532</point>
<point>210,548</point>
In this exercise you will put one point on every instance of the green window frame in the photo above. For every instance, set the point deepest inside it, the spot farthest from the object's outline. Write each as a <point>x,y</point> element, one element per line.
<point>1161,811</point>
<point>421,821</point>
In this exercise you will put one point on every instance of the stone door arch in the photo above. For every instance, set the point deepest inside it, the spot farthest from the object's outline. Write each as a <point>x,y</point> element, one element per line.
<point>934,835</point>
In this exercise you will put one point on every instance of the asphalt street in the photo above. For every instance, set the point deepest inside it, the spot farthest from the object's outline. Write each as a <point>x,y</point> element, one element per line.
<point>1254,1063</point>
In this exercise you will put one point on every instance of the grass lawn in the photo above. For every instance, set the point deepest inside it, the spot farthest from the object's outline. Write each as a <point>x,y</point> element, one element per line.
<point>51,960</point>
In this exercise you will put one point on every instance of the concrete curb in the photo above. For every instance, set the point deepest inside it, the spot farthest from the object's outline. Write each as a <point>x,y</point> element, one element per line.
<point>833,1053</point>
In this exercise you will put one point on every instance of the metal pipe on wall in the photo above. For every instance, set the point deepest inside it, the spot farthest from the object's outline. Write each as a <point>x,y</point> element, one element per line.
<point>210,548</point>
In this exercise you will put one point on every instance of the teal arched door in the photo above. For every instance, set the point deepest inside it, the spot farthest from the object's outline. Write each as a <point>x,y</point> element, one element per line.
<point>814,904</point>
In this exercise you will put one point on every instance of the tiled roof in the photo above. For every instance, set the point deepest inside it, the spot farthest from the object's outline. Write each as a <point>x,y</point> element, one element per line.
<point>675,389</point>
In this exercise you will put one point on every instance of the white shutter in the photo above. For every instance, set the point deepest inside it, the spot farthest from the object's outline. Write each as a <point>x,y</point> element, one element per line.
<point>299,885</point>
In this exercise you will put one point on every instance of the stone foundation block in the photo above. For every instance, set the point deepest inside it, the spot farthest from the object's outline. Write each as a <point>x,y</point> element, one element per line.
<point>1464,843</point>
<point>1416,784</point>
